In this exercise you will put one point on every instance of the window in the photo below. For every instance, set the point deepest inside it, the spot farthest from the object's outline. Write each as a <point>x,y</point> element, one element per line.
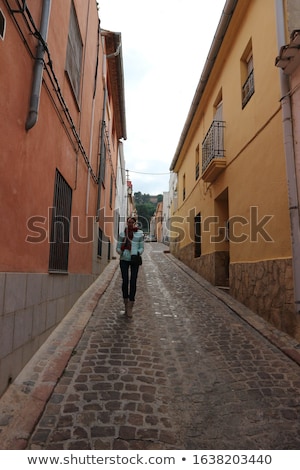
<point>102,166</point>
<point>74,53</point>
<point>197,154</point>
<point>111,191</point>
<point>108,250</point>
<point>2,25</point>
<point>100,240</point>
<point>183,187</point>
<point>247,75</point>
<point>60,225</point>
<point>197,239</point>
<point>219,110</point>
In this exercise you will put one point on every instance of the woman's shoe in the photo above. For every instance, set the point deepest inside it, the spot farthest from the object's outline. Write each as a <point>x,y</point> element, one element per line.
<point>126,301</point>
<point>129,308</point>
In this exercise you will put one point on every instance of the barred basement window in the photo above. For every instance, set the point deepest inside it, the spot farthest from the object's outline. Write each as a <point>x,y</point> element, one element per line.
<point>60,225</point>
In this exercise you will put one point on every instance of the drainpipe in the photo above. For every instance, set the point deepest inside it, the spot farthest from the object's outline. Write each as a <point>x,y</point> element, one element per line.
<point>290,158</point>
<point>38,68</point>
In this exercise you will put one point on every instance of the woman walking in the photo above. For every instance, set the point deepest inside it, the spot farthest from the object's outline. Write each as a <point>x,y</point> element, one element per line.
<point>130,248</point>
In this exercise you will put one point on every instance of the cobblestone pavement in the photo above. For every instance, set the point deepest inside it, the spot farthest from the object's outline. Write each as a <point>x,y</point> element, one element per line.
<point>186,372</point>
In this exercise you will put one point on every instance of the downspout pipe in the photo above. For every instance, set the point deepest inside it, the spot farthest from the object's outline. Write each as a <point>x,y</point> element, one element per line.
<point>38,68</point>
<point>287,121</point>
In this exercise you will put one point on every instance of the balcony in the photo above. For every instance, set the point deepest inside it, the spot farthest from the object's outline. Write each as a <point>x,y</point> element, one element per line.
<point>213,153</point>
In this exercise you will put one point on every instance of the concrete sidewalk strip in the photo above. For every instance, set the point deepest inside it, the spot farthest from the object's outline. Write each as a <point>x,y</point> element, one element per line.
<point>24,401</point>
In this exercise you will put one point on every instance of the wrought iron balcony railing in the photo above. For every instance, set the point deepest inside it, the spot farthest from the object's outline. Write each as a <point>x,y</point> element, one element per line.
<point>213,144</point>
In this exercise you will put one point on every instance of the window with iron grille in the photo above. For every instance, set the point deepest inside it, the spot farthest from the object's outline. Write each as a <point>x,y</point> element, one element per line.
<point>197,231</point>
<point>111,191</point>
<point>109,250</point>
<point>248,89</point>
<point>197,156</point>
<point>102,166</point>
<point>247,71</point>
<point>100,241</point>
<point>74,53</point>
<point>60,225</point>
<point>2,25</point>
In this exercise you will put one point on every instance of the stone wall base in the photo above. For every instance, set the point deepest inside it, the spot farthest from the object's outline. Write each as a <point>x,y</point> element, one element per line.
<point>266,287</point>
<point>213,266</point>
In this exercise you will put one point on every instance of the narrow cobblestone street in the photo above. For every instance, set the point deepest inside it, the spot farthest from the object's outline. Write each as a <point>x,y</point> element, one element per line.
<point>185,373</point>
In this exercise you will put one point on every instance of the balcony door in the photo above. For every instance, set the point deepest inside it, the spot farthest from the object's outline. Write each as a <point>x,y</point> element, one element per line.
<point>219,112</point>
<point>218,136</point>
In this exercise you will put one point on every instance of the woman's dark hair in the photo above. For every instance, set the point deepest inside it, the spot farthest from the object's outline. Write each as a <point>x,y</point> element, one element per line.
<point>131,218</point>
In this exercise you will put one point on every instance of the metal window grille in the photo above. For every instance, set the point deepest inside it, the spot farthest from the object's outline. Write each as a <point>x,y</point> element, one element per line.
<point>100,240</point>
<point>197,171</point>
<point>213,144</point>
<point>197,241</point>
<point>109,250</point>
<point>102,166</point>
<point>2,25</point>
<point>74,53</point>
<point>248,89</point>
<point>60,225</point>
<point>111,191</point>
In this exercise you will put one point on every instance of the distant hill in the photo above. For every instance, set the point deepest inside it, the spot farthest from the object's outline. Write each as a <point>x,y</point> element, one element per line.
<point>146,205</point>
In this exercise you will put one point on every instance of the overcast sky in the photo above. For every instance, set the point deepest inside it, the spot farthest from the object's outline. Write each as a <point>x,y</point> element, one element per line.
<point>165,44</point>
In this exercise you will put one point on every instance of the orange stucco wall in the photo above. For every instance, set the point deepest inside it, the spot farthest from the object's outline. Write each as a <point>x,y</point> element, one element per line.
<point>29,159</point>
<point>66,137</point>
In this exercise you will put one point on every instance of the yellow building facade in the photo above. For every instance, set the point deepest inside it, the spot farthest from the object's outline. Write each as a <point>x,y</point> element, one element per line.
<point>231,220</point>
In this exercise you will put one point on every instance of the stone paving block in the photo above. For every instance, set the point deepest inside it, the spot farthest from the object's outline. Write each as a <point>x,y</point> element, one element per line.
<point>192,370</point>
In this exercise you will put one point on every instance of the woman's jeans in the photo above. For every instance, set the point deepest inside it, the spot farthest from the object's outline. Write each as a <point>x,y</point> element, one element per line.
<point>128,286</point>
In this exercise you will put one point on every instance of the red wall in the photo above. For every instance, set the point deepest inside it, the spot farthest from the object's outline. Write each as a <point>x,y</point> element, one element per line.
<point>29,159</point>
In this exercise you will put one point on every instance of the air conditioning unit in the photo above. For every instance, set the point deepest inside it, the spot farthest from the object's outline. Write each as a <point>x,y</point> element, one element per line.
<point>2,25</point>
